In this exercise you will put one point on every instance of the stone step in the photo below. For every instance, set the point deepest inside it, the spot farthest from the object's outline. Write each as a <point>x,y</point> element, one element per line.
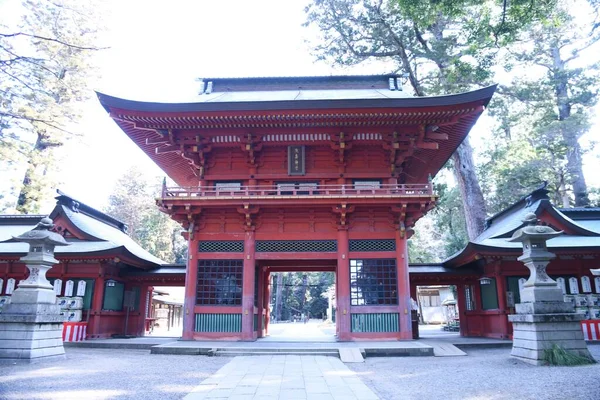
<point>238,353</point>
<point>351,355</point>
<point>277,349</point>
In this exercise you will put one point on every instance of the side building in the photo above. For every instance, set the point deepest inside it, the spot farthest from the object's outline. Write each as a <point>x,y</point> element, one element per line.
<point>299,174</point>
<point>101,265</point>
<point>489,277</point>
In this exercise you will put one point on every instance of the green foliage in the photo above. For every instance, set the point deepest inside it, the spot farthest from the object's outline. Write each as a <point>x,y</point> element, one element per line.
<point>132,202</point>
<point>450,219</point>
<point>558,356</point>
<point>302,293</point>
<point>44,76</point>
<point>549,101</point>
<point>444,46</point>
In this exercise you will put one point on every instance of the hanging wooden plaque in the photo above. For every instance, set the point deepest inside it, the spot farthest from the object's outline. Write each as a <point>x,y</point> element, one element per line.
<point>296,160</point>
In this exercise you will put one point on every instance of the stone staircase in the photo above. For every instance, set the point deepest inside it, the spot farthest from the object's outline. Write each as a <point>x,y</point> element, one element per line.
<point>262,351</point>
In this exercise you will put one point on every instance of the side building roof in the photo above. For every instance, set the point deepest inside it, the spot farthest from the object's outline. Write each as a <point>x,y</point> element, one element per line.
<point>96,234</point>
<point>581,227</point>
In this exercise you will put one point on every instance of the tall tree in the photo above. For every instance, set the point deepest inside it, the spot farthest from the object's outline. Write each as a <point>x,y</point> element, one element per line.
<point>443,46</point>
<point>132,202</point>
<point>44,67</point>
<point>559,90</point>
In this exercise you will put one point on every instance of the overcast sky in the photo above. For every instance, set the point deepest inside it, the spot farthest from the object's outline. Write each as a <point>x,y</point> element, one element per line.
<point>157,51</point>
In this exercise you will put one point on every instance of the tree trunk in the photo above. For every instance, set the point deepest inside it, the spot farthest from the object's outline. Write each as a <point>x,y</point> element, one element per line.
<point>304,287</point>
<point>28,200</point>
<point>279,296</point>
<point>575,169</point>
<point>569,132</point>
<point>473,202</point>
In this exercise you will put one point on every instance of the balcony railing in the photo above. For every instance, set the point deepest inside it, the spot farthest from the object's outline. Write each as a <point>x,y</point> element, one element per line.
<point>300,190</point>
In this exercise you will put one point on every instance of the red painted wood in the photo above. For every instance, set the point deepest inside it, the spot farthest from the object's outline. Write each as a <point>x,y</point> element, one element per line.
<point>248,332</point>
<point>217,310</point>
<point>373,309</point>
<point>342,314</point>
<point>94,329</point>
<point>260,301</point>
<point>375,336</point>
<point>266,301</point>
<point>404,304</point>
<point>189,302</point>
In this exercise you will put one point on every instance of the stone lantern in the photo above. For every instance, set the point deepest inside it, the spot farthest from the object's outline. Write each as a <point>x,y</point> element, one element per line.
<point>31,325</point>
<point>543,318</point>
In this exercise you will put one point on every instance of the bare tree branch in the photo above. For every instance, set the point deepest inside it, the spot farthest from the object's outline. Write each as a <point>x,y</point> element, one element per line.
<point>7,35</point>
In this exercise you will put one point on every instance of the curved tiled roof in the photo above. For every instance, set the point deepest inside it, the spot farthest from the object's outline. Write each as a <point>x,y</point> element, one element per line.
<point>583,230</point>
<point>104,235</point>
<point>267,106</point>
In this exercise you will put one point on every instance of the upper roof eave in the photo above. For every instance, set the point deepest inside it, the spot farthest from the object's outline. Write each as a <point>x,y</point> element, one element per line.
<point>482,96</point>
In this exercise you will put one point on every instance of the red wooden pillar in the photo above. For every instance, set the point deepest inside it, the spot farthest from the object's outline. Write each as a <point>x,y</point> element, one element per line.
<point>248,332</point>
<point>145,301</point>
<point>404,305</point>
<point>342,314</point>
<point>267,301</point>
<point>96,308</point>
<point>260,302</point>
<point>501,289</point>
<point>191,278</point>
<point>461,304</point>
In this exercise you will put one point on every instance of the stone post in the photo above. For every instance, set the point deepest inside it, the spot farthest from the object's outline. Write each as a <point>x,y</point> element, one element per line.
<point>31,325</point>
<point>543,318</point>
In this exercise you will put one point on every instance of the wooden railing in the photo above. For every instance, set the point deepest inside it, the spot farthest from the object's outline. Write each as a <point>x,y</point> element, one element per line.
<point>300,190</point>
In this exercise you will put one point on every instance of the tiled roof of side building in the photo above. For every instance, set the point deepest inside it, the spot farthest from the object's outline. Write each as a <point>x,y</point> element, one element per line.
<point>103,233</point>
<point>500,227</point>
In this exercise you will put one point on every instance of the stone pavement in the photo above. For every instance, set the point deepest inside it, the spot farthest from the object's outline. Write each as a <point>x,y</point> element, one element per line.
<point>285,378</point>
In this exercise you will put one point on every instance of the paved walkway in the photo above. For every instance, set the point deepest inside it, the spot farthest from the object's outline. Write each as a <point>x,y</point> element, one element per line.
<point>284,378</point>
<point>312,331</point>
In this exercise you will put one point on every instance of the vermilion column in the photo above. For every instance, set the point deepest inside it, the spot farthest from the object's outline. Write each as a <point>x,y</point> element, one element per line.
<point>404,305</point>
<point>143,309</point>
<point>248,287</point>
<point>461,305</point>
<point>96,307</point>
<point>191,277</point>
<point>501,290</point>
<point>342,314</point>
<point>267,301</point>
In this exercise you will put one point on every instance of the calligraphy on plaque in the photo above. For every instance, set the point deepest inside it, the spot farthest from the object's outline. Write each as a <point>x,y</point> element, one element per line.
<point>296,160</point>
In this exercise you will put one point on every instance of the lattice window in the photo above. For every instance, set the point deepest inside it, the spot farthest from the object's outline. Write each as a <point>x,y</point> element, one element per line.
<point>373,282</point>
<point>219,282</point>
<point>470,306</point>
<point>221,246</point>
<point>373,245</point>
<point>296,246</point>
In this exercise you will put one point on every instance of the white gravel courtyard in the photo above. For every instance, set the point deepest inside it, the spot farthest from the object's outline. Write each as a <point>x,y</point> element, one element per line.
<point>136,374</point>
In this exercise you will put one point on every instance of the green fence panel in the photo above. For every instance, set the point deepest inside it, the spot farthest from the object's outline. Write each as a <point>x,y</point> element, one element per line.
<point>218,323</point>
<point>375,322</point>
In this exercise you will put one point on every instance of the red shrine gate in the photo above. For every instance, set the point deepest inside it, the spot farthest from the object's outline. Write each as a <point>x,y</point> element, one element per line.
<point>317,173</point>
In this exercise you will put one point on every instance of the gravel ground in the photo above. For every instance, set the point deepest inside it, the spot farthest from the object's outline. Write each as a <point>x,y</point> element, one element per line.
<point>484,374</point>
<point>107,374</point>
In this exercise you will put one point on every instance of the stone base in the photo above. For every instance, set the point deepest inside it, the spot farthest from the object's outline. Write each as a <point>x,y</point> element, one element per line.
<point>31,313</point>
<point>533,333</point>
<point>31,332</point>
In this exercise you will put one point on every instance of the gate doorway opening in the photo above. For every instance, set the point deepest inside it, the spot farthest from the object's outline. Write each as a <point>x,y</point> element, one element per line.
<point>438,311</point>
<point>301,306</point>
<point>165,312</point>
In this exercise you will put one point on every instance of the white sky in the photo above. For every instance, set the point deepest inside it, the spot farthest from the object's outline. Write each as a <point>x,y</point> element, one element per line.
<point>157,51</point>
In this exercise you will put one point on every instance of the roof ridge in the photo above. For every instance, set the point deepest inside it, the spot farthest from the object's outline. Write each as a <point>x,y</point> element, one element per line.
<point>538,194</point>
<point>78,206</point>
